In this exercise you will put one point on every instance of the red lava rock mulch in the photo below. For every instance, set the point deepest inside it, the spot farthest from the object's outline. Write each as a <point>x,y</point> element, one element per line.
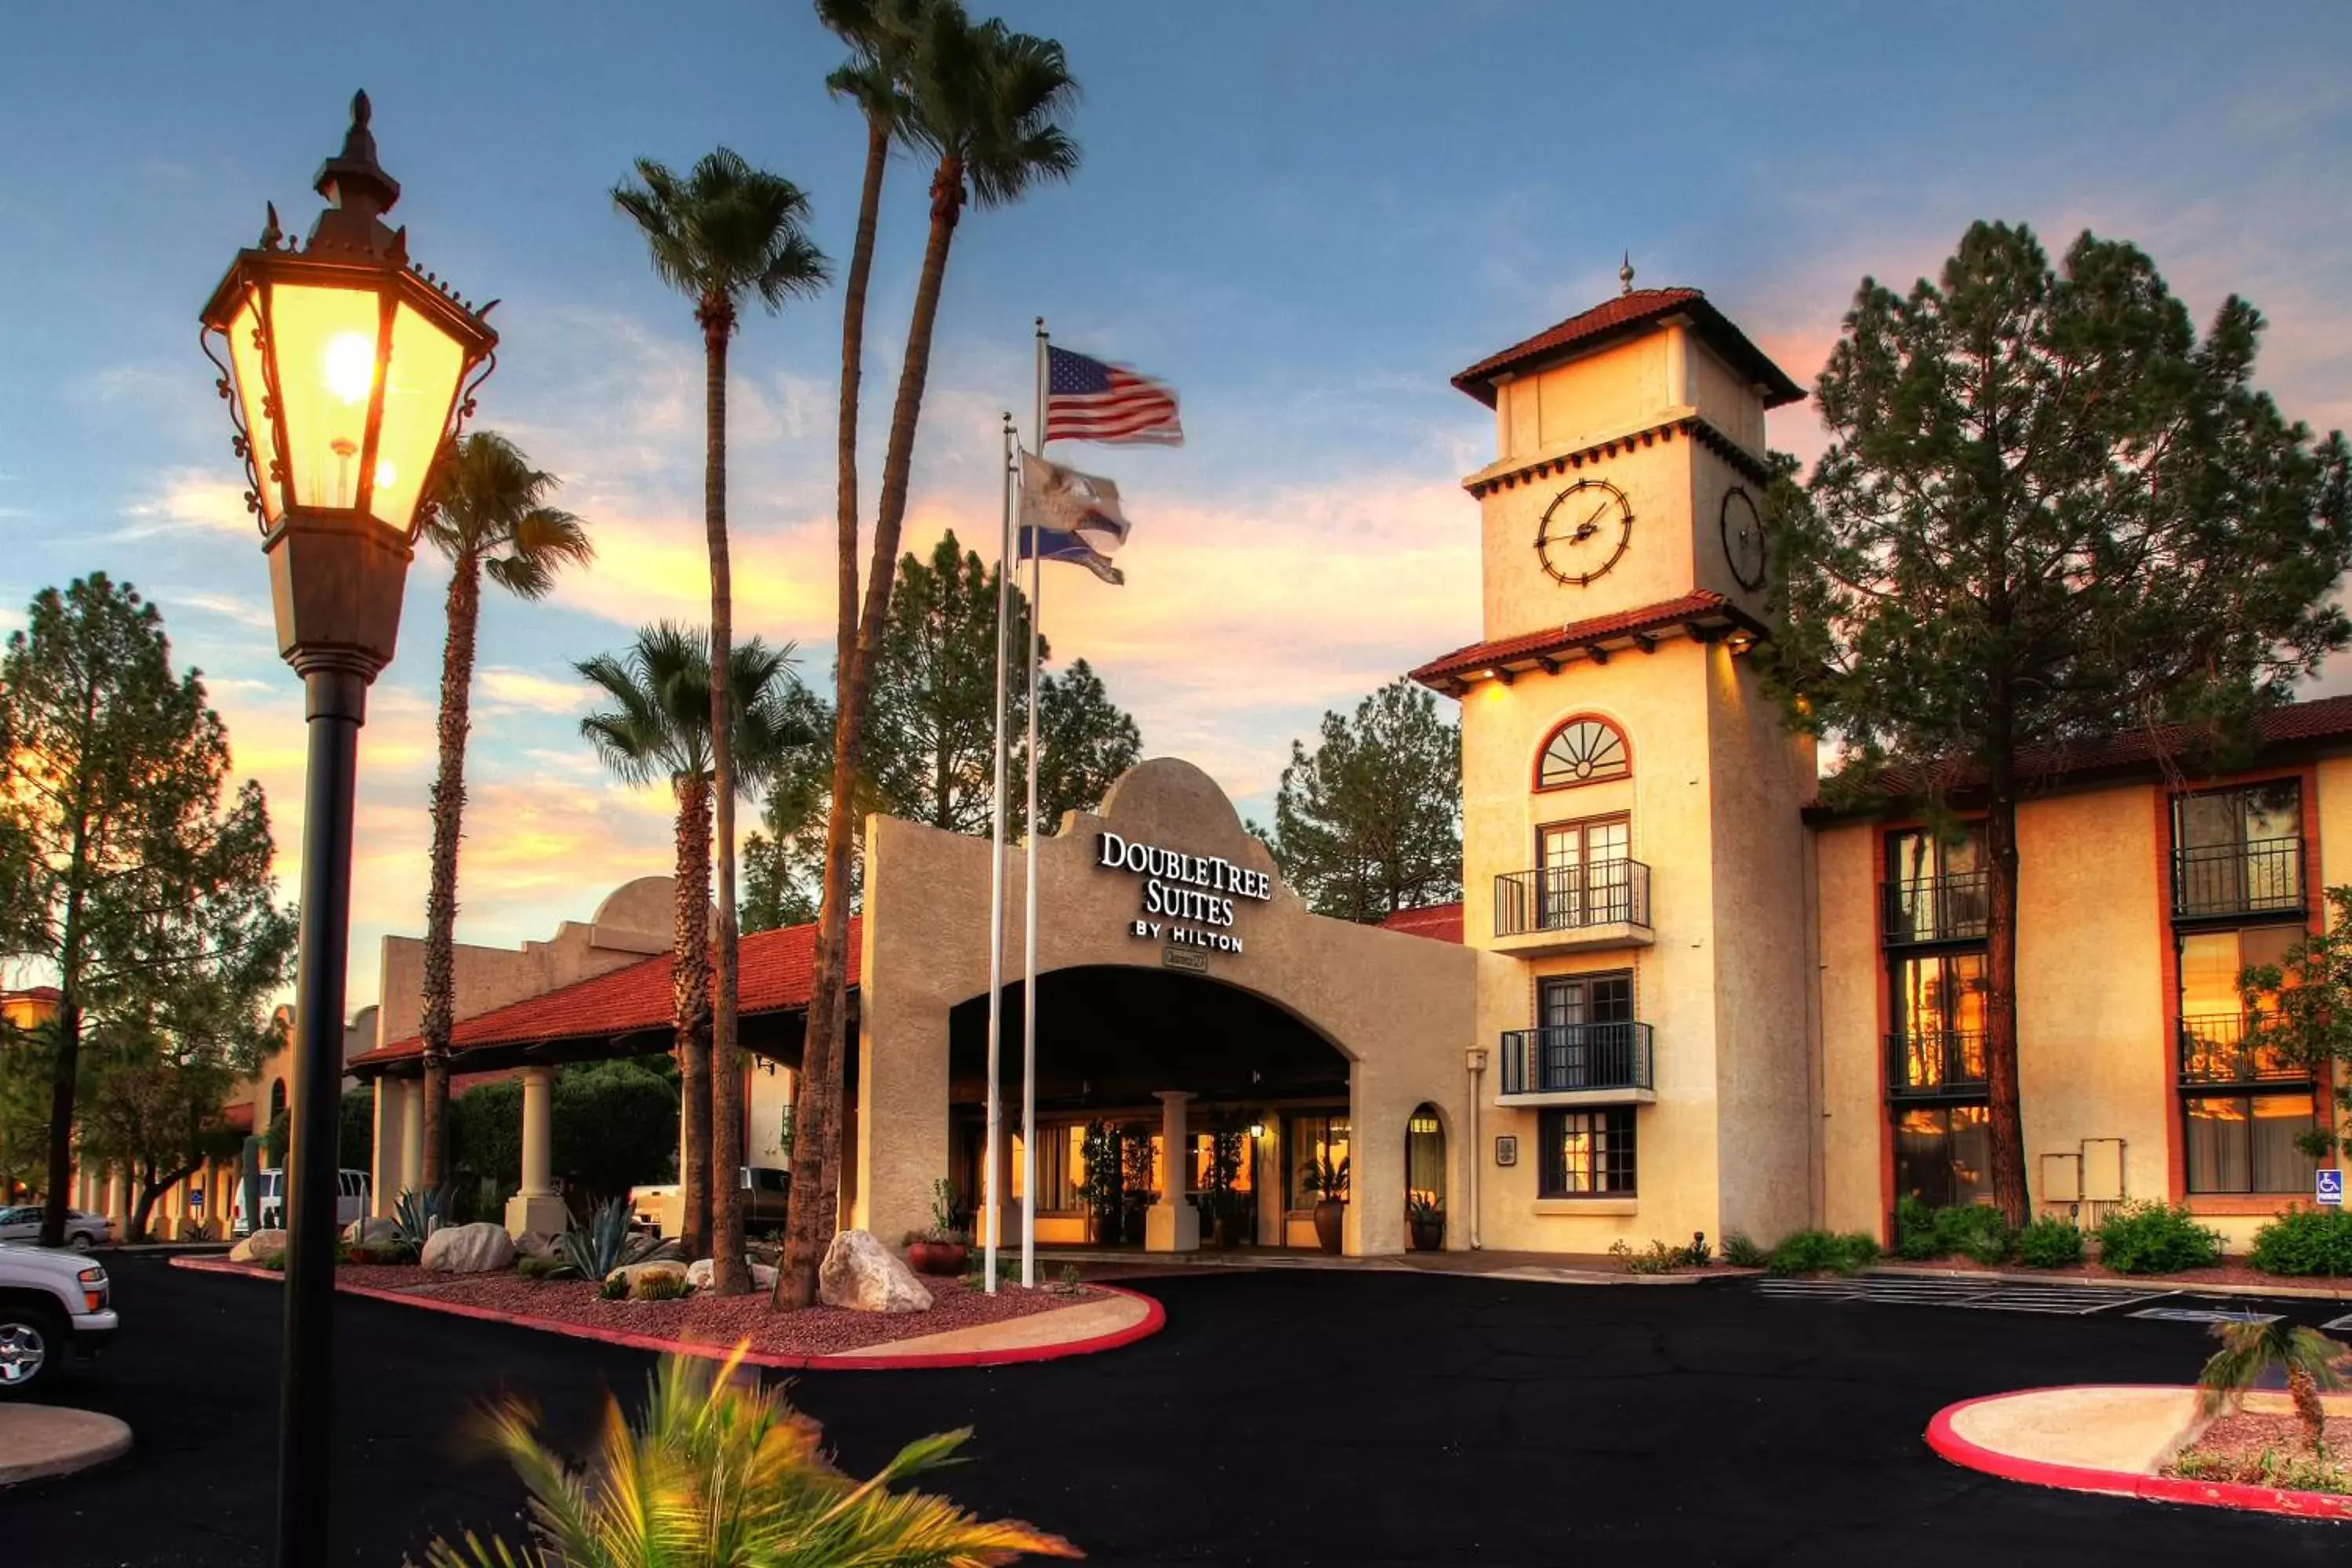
<point>2232,1447</point>
<point>389,1275</point>
<point>724,1320</point>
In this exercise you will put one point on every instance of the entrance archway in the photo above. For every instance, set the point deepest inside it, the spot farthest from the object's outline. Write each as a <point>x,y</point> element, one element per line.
<point>1125,1054</point>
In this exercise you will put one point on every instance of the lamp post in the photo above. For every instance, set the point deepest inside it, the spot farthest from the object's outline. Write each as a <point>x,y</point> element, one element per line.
<point>346,377</point>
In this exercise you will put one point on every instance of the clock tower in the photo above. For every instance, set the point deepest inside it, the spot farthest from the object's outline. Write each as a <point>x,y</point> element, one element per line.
<point>1632,852</point>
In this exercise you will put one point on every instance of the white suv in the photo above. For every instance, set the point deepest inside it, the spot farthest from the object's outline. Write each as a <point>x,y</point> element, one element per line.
<point>52,1304</point>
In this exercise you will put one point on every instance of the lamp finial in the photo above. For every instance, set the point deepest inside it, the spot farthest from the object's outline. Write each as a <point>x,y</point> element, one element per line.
<point>357,188</point>
<point>1625,274</point>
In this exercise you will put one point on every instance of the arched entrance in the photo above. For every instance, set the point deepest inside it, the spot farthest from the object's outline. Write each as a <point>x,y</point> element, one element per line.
<point>1131,1063</point>
<point>1424,1178</point>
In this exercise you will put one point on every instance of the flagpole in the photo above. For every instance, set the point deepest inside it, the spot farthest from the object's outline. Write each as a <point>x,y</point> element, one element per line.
<point>1029,881</point>
<point>991,1209</point>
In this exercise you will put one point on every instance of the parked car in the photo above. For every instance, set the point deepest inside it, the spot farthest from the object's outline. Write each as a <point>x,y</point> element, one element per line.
<point>84,1230</point>
<point>767,1193</point>
<point>352,1189</point>
<point>53,1304</point>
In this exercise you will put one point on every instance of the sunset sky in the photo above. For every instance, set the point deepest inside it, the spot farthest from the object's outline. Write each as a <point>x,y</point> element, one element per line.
<point>1306,216</point>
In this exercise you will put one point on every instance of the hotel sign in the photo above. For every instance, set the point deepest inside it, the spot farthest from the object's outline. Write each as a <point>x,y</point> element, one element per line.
<point>1187,899</point>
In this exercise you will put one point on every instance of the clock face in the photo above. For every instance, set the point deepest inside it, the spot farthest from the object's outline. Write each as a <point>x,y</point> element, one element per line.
<point>1743,539</point>
<point>1584,530</point>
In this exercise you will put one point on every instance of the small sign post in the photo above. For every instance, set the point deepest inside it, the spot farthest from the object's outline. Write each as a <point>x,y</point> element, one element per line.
<point>2328,1187</point>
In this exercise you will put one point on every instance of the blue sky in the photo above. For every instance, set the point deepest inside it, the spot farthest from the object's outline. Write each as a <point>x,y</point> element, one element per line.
<point>1304,215</point>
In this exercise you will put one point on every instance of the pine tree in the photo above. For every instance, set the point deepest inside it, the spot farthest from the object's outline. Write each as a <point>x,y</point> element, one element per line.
<point>1370,821</point>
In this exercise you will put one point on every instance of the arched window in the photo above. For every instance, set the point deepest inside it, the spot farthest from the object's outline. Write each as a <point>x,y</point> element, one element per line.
<point>277,1098</point>
<point>1582,752</point>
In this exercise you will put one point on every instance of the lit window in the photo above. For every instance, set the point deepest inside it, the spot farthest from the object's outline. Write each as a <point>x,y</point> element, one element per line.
<point>1582,752</point>
<point>1587,1154</point>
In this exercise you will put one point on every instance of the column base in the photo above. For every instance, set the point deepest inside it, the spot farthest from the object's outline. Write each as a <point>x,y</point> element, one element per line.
<point>544,1214</point>
<point>1171,1227</point>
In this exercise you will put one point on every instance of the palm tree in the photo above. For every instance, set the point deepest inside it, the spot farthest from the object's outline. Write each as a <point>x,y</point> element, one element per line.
<point>488,512</point>
<point>659,724</point>
<point>2249,1349</point>
<point>986,102</point>
<point>724,234</point>
<point>720,1469</point>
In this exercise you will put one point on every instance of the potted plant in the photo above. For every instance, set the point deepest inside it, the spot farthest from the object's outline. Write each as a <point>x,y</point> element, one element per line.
<point>1101,1191</point>
<point>1327,1184</point>
<point>1425,1216</point>
<point>1135,1176</point>
<point>943,1248</point>
<point>1221,1205</point>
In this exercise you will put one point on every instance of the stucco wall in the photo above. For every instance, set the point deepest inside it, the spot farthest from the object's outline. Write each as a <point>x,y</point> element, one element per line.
<point>1400,1007</point>
<point>1855,1127</point>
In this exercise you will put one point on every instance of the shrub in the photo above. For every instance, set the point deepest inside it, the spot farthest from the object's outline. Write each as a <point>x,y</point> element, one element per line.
<point>2305,1241</point>
<point>658,1288</point>
<point>2050,1243</point>
<point>1659,1258</point>
<point>1914,1230</point>
<point>2152,1237</point>
<point>1975,1231</point>
<point>1741,1251</point>
<point>1821,1251</point>
<point>541,1267</point>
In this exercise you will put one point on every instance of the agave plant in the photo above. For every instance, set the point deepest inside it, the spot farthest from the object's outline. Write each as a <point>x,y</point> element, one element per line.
<point>721,1471</point>
<point>416,1215</point>
<point>606,1243</point>
<point>2250,1349</point>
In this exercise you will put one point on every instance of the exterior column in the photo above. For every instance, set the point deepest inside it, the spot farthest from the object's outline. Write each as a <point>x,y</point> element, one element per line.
<point>118,1203</point>
<point>536,1207</point>
<point>412,1133</point>
<point>383,1163</point>
<point>1171,1224</point>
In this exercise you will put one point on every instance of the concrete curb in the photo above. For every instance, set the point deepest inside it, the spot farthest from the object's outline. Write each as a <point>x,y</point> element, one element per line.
<point>1947,1443</point>
<point>38,1441</point>
<point>1155,1318</point>
<point>2137,1284</point>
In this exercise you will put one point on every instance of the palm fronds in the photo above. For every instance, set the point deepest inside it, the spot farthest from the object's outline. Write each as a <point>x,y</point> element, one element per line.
<point>2250,1349</point>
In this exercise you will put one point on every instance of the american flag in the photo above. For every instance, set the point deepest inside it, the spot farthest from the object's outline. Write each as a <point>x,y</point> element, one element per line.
<point>1089,400</point>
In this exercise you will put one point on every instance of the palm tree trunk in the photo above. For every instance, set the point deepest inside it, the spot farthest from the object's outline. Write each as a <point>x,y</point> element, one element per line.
<point>816,1124</point>
<point>729,1277</point>
<point>689,971</point>
<point>464,615</point>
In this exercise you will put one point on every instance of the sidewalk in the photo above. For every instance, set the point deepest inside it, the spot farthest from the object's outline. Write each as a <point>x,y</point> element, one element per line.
<point>1549,1268</point>
<point>38,1440</point>
<point>2139,1283</point>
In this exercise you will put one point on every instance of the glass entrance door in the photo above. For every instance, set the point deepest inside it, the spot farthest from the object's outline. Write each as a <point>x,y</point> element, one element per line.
<point>1583,873</point>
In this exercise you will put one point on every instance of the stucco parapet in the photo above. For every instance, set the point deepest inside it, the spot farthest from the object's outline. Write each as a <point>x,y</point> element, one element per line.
<point>1682,419</point>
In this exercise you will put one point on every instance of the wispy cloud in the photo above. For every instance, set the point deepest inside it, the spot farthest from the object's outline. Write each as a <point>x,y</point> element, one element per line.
<point>508,689</point>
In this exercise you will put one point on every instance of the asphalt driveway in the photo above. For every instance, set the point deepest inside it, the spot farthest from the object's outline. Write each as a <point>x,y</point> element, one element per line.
<point>1282,1417</point>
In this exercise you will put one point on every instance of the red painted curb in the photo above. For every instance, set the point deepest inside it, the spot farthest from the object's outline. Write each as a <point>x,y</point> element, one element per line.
<point>1947,1443</point>
<point>1155,1318</point>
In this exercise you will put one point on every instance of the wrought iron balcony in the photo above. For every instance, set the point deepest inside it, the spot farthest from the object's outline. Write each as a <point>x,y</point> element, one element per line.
<point>1572,898</point>
<point>1920,910</point>
<point>2214,1050</point>
<point>1579,1059</point>
<point>2225,881</point>
<point>1927,1064</point>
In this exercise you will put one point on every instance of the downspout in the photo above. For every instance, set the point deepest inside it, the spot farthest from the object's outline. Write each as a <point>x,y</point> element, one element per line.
<point>1475,1063</point>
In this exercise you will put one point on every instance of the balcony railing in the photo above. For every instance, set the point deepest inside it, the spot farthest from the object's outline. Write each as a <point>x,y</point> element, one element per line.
<point>1572,1057</point>
<point>1935,1062</point>
<point>2214,1050</point>
<point>1570,898</point>
<point>1933,909</point>
<point>2262,876</point>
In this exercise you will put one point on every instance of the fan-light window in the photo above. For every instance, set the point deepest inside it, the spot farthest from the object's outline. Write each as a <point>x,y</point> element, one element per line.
<point>1583,751</point>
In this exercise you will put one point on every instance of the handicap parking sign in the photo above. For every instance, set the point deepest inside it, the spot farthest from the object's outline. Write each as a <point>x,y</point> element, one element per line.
<point>2327,1186</point>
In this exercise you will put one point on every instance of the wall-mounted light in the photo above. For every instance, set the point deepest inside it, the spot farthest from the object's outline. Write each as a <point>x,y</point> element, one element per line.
<point>1257,1129</point>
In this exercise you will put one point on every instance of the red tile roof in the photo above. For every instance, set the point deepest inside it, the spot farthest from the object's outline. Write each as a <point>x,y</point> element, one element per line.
<point>776,973</point>
<point>33,993</point>
<point>238,1118</point>
<point>1621,316</point>
<point>1700,606</point>
<point>1438,923</point>
<point>2322,719</point>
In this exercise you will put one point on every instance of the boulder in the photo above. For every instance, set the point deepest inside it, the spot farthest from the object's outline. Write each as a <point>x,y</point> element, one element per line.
<point>481,1248</point>
<point>764,1276</point>
<point>259,1247</point>
<point>630,1273</point>
<point>534,1243</point>
<point>370,1232</point>
<point>863,1275</point>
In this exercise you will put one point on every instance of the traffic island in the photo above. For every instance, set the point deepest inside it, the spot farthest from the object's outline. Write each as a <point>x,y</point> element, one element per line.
<point>42,1440</point>
<point>965,1327</point>
<point>2131,1440</point>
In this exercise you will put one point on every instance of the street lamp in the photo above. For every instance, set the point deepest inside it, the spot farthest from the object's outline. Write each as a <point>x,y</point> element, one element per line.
<point>347,378</point>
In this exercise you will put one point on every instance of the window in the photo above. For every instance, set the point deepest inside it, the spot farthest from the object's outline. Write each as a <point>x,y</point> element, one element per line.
<point>2213,1012</point>
<point>2246,1143</point>
<point>1061,1168</point>
<point>1584,873</point>
<point>1586,1153</point>
<point>2238,851</point>
<point>1308,1141</point>
<point>1582,751</point>
<point>1573,1001</point>
<point>1936,1011</point>
<point>1935,887</point>
<point>1943,1155</point>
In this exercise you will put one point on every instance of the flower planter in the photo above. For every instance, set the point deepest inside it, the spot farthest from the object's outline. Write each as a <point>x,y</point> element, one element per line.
<point>1429,1236</point>
<point>1330,1216</point>
<point>937,1257</point>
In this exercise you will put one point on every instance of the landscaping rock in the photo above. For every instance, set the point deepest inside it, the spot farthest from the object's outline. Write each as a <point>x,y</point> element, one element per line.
<point>698,1272</point>
<point>481,1248</point>
<point>863,1275</point>
<point>633,1272</point>
<point>370,1232</point>
<point>259,1247</point>
<point>534,1243</point>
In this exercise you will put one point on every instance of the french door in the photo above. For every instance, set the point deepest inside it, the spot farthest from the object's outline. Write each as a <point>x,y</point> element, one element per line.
<point>1584,878</point>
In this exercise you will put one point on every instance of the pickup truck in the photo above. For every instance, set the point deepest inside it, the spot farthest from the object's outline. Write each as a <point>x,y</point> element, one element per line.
<point>53,1304</point>
<point>767,1190</point>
